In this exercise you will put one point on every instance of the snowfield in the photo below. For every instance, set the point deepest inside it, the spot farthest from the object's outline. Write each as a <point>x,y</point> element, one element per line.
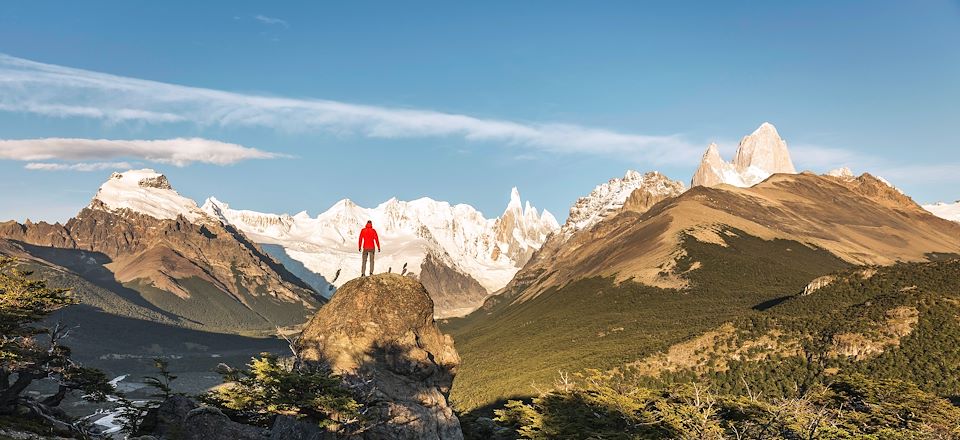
<point>949,211</point>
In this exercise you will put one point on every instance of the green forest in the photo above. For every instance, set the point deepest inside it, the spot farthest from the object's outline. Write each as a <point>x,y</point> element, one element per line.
<point>873,352</point>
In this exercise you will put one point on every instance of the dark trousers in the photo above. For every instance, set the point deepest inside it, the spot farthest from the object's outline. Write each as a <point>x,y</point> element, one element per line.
<point>371,253</point>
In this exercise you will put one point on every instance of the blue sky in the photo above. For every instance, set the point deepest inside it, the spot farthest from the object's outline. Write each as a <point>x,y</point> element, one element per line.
<point>298,105</point>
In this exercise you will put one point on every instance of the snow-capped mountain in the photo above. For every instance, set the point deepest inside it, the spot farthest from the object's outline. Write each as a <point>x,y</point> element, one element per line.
<point>949,211</point>
<point>607,198</point>
<point>188,268</point>
<point>424,237</point>
<point>522,229</point>
<point>760,154</point>
<point>145,192</point>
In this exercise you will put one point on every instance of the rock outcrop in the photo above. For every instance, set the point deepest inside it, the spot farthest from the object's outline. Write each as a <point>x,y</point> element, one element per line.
<point>818,283</point>
<point>379,331</point>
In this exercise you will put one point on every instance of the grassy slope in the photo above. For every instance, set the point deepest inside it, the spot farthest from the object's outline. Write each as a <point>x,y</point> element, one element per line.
<point>594,323</point>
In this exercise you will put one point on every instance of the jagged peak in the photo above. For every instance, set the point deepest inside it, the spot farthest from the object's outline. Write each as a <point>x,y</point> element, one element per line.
<point>764,149</point>
<point>515,203</point>
<point>215,208</point>
<point>712,151</point>
<point>766,127</point>
<point>213,201</point>
<point>759,155</point>
<point>610,196</point>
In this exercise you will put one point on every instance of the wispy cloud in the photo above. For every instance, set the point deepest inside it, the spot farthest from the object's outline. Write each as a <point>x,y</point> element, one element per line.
<point>271,20</point>
<point>82,166</point>
<point>818,157</point>
<point>178,152</point>
<point>28,86</point>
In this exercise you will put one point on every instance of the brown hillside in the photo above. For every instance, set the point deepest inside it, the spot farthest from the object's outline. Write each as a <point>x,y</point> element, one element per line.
<point>862,221</point>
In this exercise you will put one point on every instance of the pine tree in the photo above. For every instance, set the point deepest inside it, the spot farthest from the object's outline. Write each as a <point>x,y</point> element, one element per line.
<point>29,352</point>
<point>270,387</point>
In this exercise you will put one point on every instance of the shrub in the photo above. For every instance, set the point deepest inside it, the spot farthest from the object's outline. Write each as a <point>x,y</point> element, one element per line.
<point>269,388</point>
<point>606,405</point>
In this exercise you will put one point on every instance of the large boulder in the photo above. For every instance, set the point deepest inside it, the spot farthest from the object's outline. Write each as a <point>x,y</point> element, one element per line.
<point>167,419</point>
<point>181,418</point>
<point>378,333</point>
<point>208,423</point>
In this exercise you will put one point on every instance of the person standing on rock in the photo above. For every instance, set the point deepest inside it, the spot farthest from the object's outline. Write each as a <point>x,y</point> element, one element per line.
<point>368,242</point>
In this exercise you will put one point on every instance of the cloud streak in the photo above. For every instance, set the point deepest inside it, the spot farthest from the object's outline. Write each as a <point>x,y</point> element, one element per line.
<point>83,166</point>
<point>57,91</point>
<point>271,20</point>
<point>178,152</point>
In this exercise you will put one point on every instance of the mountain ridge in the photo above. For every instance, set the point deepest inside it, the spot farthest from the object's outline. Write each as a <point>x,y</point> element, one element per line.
<point>647,278</point>
<point>460,255</point>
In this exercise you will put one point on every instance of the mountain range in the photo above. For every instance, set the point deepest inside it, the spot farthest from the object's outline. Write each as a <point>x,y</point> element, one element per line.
<point>643,272</point>
<point>459,255</point>
<point>679,264</point>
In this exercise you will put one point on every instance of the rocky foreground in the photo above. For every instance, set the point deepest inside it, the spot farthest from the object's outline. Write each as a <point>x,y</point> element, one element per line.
<point>379,335</point>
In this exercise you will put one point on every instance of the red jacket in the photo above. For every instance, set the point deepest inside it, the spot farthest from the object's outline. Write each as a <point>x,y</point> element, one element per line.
<point>368,238</point>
